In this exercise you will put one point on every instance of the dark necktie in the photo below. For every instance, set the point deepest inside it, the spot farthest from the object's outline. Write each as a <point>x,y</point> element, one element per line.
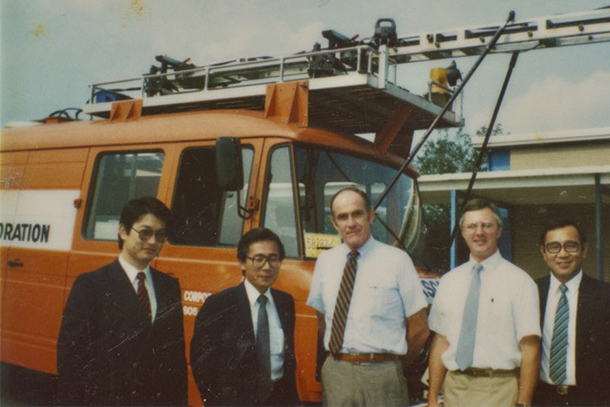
<point>263,350</point>
<point>342,305</point>
<point>559,343</point>
<point>465,350</point>
<point>143,296</point>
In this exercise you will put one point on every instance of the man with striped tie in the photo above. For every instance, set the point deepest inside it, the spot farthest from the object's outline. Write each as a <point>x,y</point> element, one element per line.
<point>369,296</point>
<point>485,318</point>
<point>121,341</point>
<point>575,319</point>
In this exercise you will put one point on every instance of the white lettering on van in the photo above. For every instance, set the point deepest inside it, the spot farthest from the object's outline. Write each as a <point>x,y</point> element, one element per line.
<point>25,232</point>
<point>190,310</point>
<point>37,219</point>
<point>196,296</point>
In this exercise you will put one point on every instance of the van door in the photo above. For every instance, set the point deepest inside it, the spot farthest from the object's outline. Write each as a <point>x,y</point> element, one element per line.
<point>206,227</point>
<point>38,218</point>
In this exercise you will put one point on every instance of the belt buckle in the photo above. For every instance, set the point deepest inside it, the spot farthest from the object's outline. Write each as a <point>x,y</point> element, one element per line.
<point>562,390</point>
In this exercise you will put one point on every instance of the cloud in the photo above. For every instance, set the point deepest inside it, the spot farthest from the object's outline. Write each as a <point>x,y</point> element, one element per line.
<point>554,103</point>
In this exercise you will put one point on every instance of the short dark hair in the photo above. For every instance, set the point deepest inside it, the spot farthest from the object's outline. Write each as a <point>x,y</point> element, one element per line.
<point>478,204</point>
<point>365,198</point>
<point>258,235</point>
<point>136,208</point>
<point>562,223</point>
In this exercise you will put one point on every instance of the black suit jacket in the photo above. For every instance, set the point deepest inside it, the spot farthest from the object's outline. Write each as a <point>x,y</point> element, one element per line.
<point>108,354</point>
<point>223,354</point>
<point>592,338</point>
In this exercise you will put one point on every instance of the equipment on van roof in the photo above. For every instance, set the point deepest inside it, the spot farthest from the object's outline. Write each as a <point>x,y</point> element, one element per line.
<point>345,78</point>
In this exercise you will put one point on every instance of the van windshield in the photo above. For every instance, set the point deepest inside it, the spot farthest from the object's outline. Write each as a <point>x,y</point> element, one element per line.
<point>320,173</point>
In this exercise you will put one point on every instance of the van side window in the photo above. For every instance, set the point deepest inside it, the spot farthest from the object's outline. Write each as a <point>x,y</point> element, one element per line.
<point>280,208</point>
<point>119,178</point>
<point>202,214</point>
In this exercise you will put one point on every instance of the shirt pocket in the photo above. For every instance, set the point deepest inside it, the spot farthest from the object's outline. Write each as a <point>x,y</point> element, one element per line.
<point>382,300</point>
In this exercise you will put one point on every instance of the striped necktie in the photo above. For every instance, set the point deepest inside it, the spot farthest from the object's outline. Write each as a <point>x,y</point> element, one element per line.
<point>559,343</point>
<point>465,349</point>
<point>143,296</point>
<point>342,305</point>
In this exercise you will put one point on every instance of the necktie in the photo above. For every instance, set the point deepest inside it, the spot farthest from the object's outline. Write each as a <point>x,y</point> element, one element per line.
<point>465,348</point>
<point>342,305</point>
<point>263,351</point>
<point>143,296</point>
<point>559,343</point>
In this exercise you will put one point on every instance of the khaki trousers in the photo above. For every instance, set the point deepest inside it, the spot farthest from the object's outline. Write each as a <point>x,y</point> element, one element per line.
<point>363,384</point>
<point>461,390</point>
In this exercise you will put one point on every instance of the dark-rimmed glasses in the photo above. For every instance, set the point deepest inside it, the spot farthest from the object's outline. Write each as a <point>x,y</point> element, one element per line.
<point>146,234</point>
<point>569,246</point>
<point>259,261</point>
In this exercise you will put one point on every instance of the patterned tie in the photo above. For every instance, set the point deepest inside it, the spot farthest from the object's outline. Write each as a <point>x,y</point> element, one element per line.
<point>559,343</point>
<point>263,350</point>
<point>143,295</point>
<point>342,304</point>
<point>465,349</point>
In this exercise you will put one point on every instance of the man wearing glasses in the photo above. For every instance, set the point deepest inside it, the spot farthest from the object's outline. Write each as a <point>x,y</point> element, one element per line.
<point>121,340</point>
<point>575,319</point>
<point>242,351</point>
<point>485,316</point>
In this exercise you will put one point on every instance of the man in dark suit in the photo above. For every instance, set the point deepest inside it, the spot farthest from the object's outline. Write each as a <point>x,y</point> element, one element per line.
<point>575,320</point>
<point>121,341</point>
<point>242,352</point>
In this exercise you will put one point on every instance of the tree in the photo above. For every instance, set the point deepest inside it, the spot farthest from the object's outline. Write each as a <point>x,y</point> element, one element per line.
<point>445,154</point>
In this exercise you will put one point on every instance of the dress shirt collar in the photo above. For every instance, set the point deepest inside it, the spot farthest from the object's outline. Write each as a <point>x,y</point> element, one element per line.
<point>253,293</point>
<point>132,272</point>
<point>489,263</point>
<point>363,250</point>
<point>572,285</point>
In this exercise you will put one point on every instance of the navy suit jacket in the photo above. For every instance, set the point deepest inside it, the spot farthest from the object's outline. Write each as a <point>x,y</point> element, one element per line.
<point>592,338</point>
<point>108,354</point>
<point>223,353</point>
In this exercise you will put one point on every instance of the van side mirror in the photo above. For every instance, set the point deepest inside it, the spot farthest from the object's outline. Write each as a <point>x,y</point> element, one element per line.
<point>229,164</point>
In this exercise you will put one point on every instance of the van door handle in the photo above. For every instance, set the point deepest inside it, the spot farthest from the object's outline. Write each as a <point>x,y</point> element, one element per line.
<point>15,263</point>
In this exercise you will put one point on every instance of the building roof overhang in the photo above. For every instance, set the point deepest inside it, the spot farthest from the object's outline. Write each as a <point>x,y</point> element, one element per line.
<point>522,187</point>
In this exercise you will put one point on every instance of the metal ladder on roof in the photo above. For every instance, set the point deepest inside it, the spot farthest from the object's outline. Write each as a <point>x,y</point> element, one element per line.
<point>347,75</point>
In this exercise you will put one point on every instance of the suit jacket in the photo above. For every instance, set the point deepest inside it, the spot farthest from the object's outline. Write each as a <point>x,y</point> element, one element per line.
<point>223,354</point>
<point>109,354</point>
<point>592,338</point>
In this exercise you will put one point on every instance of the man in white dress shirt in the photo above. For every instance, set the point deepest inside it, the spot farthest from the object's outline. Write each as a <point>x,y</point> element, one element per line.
<point>368,336</point>
<point>486,347</point>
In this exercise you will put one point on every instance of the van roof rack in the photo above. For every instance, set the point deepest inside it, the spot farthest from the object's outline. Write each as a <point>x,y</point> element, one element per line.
<point>349,83</point>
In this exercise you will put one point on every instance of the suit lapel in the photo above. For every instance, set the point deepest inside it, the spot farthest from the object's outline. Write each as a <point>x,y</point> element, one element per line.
<point>281,311</point>
<point>543,291</point>
<point>584,312</point>
<point>244,314</point>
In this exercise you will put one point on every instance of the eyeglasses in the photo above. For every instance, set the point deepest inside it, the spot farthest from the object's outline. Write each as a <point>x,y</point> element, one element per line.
<point>569,246</point>
<point>146,234</point>
<point>259,261</point>
<point>486,226</point>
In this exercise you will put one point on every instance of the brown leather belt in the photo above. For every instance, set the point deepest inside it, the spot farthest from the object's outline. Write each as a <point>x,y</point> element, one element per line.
<point>561,390</point>
<point>476,372</point>
<point>364,357</point>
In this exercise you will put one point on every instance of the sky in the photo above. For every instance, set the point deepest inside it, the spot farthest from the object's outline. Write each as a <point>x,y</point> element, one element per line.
<point>51,50</point>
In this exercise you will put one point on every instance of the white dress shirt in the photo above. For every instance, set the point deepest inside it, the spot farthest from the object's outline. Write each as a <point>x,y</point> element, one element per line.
<point>132,275</point>
<point>508,311</point>
<point>549,321</point>
<point>386,292</point>
<point>276,333</point>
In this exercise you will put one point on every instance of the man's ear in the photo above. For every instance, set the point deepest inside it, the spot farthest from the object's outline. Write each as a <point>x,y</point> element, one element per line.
<point>122,232</point>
